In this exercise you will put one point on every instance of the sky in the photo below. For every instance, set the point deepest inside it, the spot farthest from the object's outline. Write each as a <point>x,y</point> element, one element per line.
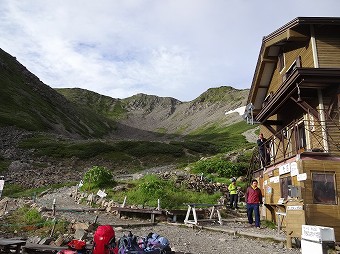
<point>168,48</point>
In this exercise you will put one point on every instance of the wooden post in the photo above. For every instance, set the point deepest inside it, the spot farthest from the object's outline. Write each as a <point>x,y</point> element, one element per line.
<point>158,205</point>
<point>76,194</point>
<point>124,202</point>
<point>95,220</point>
<point>53,207</point>
<point>53,227</point>
<point>5,209</point>
<point>289,242</point>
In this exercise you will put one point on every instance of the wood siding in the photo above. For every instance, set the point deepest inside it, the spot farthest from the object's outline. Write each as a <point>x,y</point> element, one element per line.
<point>318,214</point>
<point>291,53</point>
<point>315,214</point>
<point>328,47</point>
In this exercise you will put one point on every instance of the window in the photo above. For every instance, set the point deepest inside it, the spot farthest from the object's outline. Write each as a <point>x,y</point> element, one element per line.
<point>301,136</point>
<point>324,188</point>
<point>285,182</point>
<point>281,61</point>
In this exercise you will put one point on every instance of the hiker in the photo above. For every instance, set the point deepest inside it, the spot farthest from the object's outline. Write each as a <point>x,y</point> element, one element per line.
<point>263,150</point>
<point>233,194</point>
<point>254,200</point>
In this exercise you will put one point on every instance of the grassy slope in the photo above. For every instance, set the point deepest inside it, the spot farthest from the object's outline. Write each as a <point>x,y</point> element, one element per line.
<point>28,103</point>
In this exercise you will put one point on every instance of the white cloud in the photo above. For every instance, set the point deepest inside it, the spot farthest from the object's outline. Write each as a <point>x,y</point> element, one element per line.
<point>176,48</point>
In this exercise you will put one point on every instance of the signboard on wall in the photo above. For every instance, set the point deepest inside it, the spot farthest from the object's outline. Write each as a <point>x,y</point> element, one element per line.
<point>275,179</point>
<point>294,171</point>
<point>301,177</point>
<point>284,169</point>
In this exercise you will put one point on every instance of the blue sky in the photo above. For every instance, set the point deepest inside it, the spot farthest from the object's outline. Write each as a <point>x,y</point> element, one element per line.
<point>175,48</point>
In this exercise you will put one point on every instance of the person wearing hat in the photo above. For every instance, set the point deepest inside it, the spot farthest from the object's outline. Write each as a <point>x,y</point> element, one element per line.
<point>233,194</point>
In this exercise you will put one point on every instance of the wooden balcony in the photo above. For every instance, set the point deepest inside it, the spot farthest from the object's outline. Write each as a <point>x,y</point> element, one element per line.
<point>304,137</point>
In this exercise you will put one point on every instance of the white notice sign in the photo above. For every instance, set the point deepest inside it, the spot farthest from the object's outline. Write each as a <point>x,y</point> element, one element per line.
<point>284,169</point>
<point>294,207</point>
<point>301,177</point>
<point>275,179</point>
<point>294,171</point>
<point>101,194</point>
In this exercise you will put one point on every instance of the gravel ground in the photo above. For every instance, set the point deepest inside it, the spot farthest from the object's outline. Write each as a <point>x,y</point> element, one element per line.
<point>208,238</point>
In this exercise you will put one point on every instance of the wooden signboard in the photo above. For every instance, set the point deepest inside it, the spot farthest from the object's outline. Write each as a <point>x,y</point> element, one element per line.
<point>295,218</point>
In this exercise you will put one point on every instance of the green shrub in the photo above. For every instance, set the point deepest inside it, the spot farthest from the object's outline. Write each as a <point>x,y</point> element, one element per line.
<point>97,177</point>
<point>33,217</point>
<point>150,188</point>
<point>219,166</point>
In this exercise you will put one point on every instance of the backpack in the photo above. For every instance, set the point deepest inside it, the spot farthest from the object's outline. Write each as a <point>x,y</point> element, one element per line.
<point>129,244</point>
<point>151,244</point>
<point>104,241</point>
<point>155,243</point>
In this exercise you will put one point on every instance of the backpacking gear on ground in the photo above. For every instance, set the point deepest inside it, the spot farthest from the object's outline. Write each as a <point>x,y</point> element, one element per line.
<point>157,244</point>
<point>104,241</point>
<point>77,244</point>
<point>151,244</point>
<point>128,244</point>
<point>75,247</point>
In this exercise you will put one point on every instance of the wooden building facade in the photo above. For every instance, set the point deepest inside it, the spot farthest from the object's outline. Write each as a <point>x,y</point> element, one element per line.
<point>295,96</point>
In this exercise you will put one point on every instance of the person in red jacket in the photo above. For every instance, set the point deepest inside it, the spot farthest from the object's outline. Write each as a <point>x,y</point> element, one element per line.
<point>253,199</point>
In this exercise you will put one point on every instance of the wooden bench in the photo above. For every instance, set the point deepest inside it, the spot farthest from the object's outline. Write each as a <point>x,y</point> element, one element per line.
<point>214,209</point>
<point>9,245</point>
<point>152,212</point>
<point>174,213</point>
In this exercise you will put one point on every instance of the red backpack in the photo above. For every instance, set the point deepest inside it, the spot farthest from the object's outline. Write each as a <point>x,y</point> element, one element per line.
<point>104,241</point>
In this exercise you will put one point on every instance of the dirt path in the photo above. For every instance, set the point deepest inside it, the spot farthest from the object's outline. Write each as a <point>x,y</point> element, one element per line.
<point>182,238</point>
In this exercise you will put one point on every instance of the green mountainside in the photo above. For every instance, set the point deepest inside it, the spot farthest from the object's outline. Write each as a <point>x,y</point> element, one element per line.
<point>28,103</point>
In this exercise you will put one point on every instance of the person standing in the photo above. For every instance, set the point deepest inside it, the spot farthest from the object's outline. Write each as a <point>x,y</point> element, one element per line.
<point>253,199</point>
<point>261,143</point>
<point>233,194</point>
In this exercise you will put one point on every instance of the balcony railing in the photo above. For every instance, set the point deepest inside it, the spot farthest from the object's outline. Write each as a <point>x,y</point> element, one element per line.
<point>299,137</point>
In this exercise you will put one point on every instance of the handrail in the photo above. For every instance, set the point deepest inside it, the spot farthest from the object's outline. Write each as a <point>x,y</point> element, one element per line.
<point>300,136</point>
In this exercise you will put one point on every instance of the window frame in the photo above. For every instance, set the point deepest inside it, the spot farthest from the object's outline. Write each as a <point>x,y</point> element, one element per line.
<point>323,191</point>
<point>285,182</point>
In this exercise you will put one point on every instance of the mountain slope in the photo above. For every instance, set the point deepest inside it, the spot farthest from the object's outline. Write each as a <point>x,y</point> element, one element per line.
<point>28,103</point>
<point>165,115</point>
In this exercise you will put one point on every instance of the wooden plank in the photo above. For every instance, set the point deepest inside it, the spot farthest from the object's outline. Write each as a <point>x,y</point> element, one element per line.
<point>33,248</point>
<point>136,210</point>
<point>8,244</point>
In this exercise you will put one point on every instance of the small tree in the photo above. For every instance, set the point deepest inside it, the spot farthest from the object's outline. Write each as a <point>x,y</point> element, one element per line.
<point>97,177</point>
